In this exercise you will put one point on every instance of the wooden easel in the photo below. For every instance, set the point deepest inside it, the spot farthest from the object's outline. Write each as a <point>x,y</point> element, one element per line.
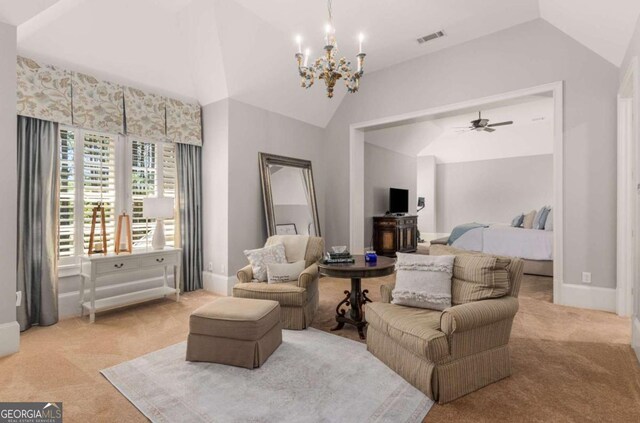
<point>127,220</point>
<point>99,248</point>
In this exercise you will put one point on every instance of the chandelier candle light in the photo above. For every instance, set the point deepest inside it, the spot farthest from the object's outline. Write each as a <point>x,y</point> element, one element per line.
<point>326,67</point>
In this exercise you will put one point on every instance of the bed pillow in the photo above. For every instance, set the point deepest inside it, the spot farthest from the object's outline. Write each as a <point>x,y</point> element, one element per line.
<point>284,272</point>
<point>543,218</point>
<point>423,281</point>
<point>259,258</point>
<point>537,218</point>
<point>548,224</point>
<point>517,221</point>
<point>527,222</point>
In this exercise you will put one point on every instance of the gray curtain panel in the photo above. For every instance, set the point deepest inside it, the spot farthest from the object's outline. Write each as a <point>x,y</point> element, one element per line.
<point>37,221</point>
<point>189,166</point>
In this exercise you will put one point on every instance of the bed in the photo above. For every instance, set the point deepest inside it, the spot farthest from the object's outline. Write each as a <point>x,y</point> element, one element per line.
<point>534,246</point>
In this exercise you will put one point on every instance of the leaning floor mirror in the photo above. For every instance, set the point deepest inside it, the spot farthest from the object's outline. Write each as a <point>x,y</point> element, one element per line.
<point>289,196</point>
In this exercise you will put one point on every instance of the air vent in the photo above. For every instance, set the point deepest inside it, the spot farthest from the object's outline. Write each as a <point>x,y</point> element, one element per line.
<point>430,37</point>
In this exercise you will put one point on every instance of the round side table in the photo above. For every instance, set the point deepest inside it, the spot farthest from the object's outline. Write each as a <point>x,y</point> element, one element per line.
<point>356,298</point>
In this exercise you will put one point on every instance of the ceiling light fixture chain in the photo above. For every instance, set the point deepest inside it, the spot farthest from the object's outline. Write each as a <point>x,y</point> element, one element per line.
<point>327,67</point>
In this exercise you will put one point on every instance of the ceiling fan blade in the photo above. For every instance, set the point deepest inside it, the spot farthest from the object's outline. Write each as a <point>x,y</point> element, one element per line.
<point>487,129</point>
<point>510,122</point>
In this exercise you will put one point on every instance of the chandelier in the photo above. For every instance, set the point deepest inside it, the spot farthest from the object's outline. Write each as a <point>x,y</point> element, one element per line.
<point>326,67</point>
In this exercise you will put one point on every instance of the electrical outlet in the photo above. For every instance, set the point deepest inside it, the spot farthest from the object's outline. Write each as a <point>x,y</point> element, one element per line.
<point>210,267</point>
<point>586,277</point>
<point>18,298</point>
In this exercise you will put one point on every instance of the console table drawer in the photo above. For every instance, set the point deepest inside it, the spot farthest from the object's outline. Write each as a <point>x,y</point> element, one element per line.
<point>110,266</point>
<point>158,260</point>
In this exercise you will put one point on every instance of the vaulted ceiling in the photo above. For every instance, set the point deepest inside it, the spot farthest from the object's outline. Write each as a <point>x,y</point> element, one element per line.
<point>206,50</point>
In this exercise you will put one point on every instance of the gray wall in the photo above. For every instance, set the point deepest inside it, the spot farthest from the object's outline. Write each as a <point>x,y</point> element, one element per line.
<point>8,174</point>
<point>215,187</point>
<point>384,169</point>
<point>253,130</point>
<point>492,191</point>
<point>527,55</point>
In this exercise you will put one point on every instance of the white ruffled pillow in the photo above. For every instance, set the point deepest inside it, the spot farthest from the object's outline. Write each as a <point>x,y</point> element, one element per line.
<point>423,281</point>
<point>259,258</point>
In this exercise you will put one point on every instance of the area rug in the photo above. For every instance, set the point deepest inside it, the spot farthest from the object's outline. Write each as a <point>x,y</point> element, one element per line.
<point>312,377</point>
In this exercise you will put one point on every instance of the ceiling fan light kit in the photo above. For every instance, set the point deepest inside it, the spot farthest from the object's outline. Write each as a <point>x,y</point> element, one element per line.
<point>326,67</point>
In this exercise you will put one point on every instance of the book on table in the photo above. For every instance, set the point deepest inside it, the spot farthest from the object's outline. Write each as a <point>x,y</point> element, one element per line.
<point>339,258</point>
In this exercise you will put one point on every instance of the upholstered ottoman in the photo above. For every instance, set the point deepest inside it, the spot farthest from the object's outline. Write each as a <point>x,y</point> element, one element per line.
<point>236,331</point>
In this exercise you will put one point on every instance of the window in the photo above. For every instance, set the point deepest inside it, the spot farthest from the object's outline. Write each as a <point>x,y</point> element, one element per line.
<point>99,183</point>
<point>66,231</point>
<point>153,173</point>
<point>117,172</point>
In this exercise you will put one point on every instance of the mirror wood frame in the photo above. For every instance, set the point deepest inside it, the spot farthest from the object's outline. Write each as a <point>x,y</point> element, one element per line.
<point>267,160</point>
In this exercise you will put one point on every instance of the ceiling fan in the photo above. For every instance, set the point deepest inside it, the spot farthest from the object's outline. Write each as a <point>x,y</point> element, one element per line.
<point>483,125</point>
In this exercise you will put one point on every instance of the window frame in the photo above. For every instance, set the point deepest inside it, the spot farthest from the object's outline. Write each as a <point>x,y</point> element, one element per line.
<point>123,149</point>
<point>159,150</point>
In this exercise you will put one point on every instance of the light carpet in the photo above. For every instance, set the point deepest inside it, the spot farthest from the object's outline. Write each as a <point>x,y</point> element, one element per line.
<point>312,377</point>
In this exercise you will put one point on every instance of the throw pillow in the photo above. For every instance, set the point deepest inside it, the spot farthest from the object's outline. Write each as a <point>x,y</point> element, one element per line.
<point>479,277</point>
<point>259,258</point>
<point>284,272</point>
<point>517,221</point>
<point>527,222</point>
<point>423,281</point>
<point>461,279</point>
<point>548,224</point>
<point>295,246</point>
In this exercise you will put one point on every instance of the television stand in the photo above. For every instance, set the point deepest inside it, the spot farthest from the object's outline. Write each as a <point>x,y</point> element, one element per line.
<point>393,233</point>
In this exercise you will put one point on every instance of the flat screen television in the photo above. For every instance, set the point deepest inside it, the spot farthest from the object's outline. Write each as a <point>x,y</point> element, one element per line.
<point>398,200</point>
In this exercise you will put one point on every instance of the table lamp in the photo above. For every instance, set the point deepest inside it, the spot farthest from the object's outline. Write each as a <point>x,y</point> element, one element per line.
<point>158,208</point>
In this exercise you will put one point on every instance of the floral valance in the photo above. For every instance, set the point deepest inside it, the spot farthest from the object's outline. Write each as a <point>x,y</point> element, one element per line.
<point>97,105</point>
<point>183,122</point>
<point>44,92</point>
<point>145,114</point>
<point>73,98</point>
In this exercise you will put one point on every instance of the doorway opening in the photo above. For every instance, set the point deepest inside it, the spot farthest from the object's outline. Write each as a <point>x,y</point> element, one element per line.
<point>357,162</point>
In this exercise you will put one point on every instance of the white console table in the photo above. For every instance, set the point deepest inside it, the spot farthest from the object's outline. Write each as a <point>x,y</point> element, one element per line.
<point>98,266</point>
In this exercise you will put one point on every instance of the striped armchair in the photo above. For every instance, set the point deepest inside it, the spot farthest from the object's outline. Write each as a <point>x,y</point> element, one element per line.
<point>298,299</point>
<point>448,354</point>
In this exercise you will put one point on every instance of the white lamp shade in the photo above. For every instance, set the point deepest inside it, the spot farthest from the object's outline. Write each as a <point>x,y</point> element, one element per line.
<point>158,207</point>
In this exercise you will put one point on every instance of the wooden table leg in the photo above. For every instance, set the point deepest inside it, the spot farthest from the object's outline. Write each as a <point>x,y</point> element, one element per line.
<point>92,313</point>
<point>81,295</point>
<point>355,298</point>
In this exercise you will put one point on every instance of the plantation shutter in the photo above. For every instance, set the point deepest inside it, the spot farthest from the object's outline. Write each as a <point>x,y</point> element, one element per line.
<point>99,181</point>
<point>143,184</point>
<point>66,220</point>
<point>169,189</point>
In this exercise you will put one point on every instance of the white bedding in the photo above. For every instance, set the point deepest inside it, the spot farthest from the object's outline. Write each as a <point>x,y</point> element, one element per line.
<point>504,240</point>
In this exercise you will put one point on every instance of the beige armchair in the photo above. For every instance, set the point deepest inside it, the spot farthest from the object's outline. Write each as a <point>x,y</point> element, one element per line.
<point>446,354</point>
<point>298,299</point>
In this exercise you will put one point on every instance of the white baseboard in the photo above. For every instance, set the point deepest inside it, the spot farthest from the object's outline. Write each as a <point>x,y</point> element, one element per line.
<point>68,302</point>
<point>218,284</point>
<point>585,296</point>
<point>635,336</point>
<point>9,338</point>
